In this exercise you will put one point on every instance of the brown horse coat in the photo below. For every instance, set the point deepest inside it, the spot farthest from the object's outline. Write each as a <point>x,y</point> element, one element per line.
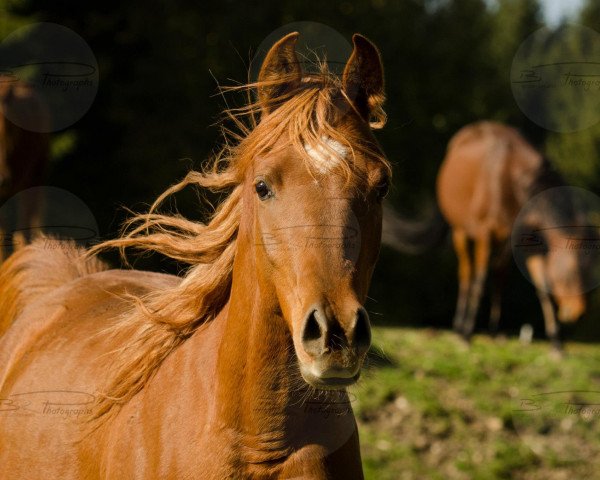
<point>238,369</point>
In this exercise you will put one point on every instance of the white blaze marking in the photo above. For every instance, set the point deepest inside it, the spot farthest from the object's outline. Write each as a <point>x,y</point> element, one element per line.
<point>327,155</point>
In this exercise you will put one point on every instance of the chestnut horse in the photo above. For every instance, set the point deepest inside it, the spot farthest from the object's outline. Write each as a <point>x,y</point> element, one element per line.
<point>488,175</point>
<point>24,155</point>
<point>239,369</point>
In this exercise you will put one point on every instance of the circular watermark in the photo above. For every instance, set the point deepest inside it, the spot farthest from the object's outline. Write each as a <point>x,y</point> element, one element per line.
<point>556,240</point>
<point>48,77</point>
<point>49,211</point>
<point>296,234</point>
<point>328,414</point>
<point>555,78</point>
<point>317,43</point>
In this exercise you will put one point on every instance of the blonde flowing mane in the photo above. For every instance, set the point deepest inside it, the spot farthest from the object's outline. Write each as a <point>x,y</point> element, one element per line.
<point>159,322</point>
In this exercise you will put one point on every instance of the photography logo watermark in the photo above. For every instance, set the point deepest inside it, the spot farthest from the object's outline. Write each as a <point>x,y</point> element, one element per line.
<point>578,238</point>
<point>82,235</point>
<point>307,236</point>
<point>317,43</point>
<point>314,237</point>
<point>540,77</point>
<point>568,402</point>
<point>52,212</point>
<point>588,82</point>
<point>48,77</point>
<point>63,76</point>
<point>542,418</point>
<point>63,404</point>
<point>295,233</point>
<point>559,228</point>
<point>555,78</point>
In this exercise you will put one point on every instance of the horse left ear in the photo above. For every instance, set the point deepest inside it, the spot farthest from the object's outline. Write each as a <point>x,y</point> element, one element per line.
<point>279,73</point>
<point>363,79</point>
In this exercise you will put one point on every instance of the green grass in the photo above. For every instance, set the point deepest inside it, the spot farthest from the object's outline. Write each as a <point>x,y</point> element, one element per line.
<point>430,407</point>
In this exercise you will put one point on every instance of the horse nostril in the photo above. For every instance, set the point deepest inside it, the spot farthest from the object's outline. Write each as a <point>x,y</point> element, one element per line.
<point>313,333</point>
<point>321,335</point>
<point>362,330</point>
<point>312,329</point>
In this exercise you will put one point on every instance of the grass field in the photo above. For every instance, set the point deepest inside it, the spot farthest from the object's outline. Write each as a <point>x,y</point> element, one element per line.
<point>430,407</point>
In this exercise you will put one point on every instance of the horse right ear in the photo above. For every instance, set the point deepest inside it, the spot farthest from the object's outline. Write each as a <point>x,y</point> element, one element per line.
<point>363,81</point>
<point>279,73</point>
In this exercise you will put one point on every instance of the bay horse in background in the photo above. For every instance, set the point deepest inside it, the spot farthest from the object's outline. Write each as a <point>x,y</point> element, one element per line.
<point>489,173</point>
<point>239,369</point>
<point>24,156</point>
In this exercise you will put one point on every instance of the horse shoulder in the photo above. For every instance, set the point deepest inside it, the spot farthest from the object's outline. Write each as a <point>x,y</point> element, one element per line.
<point>75,314</point>
<point>57,346</point>
<point>172,420</point>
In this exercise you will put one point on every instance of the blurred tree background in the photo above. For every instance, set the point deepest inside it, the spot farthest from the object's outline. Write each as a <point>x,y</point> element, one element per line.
<point>447,63</point>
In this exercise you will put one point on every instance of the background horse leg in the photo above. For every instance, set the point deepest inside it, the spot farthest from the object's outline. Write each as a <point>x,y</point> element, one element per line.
<point>535,266</point>
<point>552,329</point>
<point>500,273</point>
<point>461,246</point>
<point>482,258</point>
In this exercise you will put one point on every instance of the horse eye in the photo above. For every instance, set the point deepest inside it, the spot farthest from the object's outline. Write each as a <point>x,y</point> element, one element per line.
<point>262,190</point>
<point>382,189</point>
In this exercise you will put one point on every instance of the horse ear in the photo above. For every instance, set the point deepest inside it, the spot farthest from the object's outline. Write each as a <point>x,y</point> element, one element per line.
<point>363,78</point>
<point>279,73</point>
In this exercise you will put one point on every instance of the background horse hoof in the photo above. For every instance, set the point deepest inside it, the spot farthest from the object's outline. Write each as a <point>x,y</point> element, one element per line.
<point>557,353</point>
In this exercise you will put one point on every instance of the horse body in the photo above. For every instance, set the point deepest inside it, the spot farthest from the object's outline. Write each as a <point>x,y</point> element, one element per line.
<point>239,369</point>
<point>482,181</point>
<point>183,424</point>
<point>57,331</point>
<point>488,175</point>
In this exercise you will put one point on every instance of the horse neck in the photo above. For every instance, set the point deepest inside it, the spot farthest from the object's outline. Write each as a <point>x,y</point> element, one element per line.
<point>261,401</point>
<point>256,376</point>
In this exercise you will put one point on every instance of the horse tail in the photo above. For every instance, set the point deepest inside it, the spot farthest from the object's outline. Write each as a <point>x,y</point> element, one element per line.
<point>413,236</point>
<point>38,268</point>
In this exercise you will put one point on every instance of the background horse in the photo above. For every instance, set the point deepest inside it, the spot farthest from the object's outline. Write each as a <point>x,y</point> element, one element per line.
<point>488,175</point>
<point>239,369</point>
<point>24,155</point>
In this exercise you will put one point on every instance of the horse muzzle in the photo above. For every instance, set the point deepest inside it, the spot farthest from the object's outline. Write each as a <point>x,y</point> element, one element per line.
<point>335,348</point>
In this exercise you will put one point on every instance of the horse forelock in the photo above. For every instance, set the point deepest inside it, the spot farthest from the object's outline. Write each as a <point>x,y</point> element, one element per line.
<point>315,116</point>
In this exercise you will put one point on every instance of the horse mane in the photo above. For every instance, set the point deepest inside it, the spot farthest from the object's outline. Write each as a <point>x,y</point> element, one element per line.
<point>159,322</point>
<point>34,270</point>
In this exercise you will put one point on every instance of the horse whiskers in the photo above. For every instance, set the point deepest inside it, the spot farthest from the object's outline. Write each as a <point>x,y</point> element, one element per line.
<point>298,387</point>
<point>378,352</point>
